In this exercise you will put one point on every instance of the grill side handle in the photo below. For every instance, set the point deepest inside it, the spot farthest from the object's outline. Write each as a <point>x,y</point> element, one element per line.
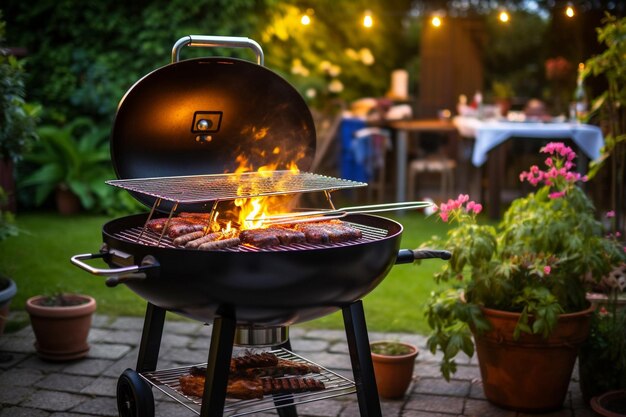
<point>407,256</point>
<point>116,276</point>
<point>217,41</point>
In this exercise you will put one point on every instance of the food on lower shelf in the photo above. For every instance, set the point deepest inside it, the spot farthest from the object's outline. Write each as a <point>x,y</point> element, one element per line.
<point>254,375</point>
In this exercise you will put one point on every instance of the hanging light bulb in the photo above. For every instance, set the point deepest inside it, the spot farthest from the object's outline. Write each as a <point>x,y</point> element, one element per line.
<point>503,16</point>
<point>368,21</point>
<point>306,17</point>
<point>436,21</point>
<point>569,10</point>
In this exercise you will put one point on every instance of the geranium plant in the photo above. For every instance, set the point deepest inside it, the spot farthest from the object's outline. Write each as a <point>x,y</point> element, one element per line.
<point>534,262</point>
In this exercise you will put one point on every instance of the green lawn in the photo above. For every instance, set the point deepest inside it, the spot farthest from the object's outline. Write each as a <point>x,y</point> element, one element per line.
<point>38,261</point>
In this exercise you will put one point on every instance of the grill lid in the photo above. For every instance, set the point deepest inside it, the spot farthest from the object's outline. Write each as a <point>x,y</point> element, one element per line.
<point>209,116</point>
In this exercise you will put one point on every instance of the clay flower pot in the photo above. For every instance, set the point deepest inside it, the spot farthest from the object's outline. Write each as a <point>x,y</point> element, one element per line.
<point>7,291</point>
<point>393,370</point>
<point>610,404</point>
<point>61,330</point>
<point>531,374</point>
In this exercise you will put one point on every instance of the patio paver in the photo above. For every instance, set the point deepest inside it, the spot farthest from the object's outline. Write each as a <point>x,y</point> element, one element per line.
<point>32,387</point>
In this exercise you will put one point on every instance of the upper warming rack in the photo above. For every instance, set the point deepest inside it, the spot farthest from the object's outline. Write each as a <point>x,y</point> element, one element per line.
<point>217,187</point>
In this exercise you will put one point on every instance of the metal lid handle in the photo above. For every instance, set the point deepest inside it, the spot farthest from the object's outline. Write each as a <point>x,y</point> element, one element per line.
<point>217,41</point>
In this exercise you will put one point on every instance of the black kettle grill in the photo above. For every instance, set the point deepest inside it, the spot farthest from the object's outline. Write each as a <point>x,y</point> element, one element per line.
<point>176,140</point>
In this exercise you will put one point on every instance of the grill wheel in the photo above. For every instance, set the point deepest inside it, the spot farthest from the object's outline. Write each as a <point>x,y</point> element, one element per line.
<point>134,396</point>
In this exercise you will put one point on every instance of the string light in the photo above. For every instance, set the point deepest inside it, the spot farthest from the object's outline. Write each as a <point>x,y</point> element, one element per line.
<point>569,10</point>
<point>503,16</point>
<point>306,17</point>
<point>436,21</point>
<point>368,21</point>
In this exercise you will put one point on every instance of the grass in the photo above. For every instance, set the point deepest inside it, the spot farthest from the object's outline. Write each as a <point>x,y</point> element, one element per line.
<point>38,261</point>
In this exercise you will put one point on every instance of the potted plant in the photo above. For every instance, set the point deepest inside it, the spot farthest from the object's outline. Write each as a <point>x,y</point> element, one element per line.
<point>70,161</point>
<point>393,367</point>
<point>61,325</point>
<point>518,288</point>
<point>7,285</point>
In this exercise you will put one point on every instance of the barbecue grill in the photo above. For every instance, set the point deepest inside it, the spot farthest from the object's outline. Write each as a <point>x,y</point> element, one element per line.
<point>176,136</point>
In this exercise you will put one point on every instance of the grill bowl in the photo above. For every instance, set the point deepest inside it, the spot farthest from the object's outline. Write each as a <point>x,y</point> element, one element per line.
<point>265,288</point>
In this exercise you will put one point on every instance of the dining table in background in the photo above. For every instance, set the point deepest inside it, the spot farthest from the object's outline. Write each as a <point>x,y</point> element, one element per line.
<point>402,130</point>
<point>489,134</point>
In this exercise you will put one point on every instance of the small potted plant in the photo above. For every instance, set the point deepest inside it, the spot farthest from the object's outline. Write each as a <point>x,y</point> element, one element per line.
<point>517,290</point>
<point>61,324</point>
<point>393,367</point>
<point>7,285</point>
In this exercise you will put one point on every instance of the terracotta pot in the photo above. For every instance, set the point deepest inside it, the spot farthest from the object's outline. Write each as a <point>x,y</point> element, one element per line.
<point>610,404</point>
<point>7,292</point>
<point>531,374</point>
<point>394,373</point>
<point>61,331</point>
<point>67,202</point>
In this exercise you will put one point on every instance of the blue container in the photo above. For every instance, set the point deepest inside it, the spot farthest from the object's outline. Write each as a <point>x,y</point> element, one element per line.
<point>353,152</point>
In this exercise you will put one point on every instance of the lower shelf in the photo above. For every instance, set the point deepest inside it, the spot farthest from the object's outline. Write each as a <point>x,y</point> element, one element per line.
<point>166,380</point>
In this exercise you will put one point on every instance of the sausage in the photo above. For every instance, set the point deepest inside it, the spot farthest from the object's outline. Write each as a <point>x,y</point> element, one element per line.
<point>204,239</point>
<point>181,240</point>
<point>220,244</point>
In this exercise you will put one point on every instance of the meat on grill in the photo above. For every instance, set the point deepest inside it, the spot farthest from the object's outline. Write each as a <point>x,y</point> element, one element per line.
<point>176,226</point>
<point>220,244</point>
<point>328,232</point>
<point>194,244</point>
<point>182,240</point>
<point>271,236</point>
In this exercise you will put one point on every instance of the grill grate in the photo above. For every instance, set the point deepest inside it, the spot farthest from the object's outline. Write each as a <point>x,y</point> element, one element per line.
<point>336,385</point>
<point>217,187</point>
<point>370,234</point>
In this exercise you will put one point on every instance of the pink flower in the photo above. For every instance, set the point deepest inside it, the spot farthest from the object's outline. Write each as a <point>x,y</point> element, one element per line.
<point>610,214</point>
<point>547,269</point>
<point>444,216</point>
<point>557,194</point>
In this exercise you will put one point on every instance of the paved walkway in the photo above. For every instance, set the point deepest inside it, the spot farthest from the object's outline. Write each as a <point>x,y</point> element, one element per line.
<point>35,388</point>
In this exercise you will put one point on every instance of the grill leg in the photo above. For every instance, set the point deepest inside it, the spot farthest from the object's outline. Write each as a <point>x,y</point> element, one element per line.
<point>286,411</point>
<point>151,338</point>
<point>222,339</point>
<point>361,358</point>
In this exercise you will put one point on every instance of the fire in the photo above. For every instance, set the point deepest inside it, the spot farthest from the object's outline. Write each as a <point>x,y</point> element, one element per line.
<point>274,158</point>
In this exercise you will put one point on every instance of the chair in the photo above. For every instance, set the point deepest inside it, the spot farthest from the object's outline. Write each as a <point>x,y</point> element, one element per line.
<point>440,164</point>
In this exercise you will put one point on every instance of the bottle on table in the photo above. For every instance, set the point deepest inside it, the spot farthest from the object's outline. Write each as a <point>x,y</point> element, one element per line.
<point>579,110</point>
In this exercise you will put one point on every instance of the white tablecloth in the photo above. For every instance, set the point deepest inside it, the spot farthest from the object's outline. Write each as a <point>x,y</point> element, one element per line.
<point>489,134</point>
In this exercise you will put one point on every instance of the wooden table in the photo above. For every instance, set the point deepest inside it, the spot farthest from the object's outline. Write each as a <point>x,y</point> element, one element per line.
<point>402,128</point>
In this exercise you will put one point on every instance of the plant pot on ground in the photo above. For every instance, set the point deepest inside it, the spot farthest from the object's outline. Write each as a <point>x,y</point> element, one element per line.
<point>61,325</point>
<point>541,367</point>
<point>393,367</point>
<point>533,264</point>
<point>7,291</point>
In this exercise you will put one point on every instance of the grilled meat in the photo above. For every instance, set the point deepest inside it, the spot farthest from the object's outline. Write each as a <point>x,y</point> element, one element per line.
<point>194,244</point>
<point>254,360</point>
<point>328,232</point>
<point>220,244</point>
<point>290,384</point>
<point>240,388</point>
<point>252,388</point>
<point>284,367</point>
<point>182,240</point>
<point>261,238</point>
<point>177,230</point>
<point>271,236</point>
